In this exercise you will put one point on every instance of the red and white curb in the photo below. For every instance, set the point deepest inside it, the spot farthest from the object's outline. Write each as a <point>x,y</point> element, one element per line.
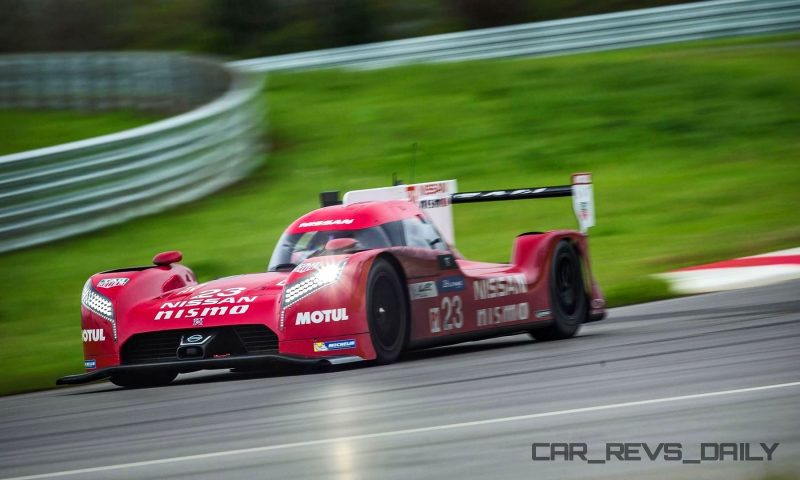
<point>742,272</point>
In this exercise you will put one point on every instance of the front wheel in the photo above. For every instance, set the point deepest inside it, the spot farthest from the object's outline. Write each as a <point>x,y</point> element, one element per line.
<point>568,299</point>
<point>387,311</point>
<point>143,379</point>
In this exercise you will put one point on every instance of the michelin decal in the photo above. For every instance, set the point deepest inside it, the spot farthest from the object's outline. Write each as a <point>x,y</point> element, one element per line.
<point>334,345</point>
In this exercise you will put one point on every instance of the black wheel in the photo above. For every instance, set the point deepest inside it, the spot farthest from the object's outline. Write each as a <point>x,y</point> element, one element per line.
<point>144,379</point>
<point>568,299</point>
<point>387,311</point>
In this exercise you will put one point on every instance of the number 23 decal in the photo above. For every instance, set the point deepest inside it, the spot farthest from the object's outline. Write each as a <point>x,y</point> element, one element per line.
<point>453,317</point>
<point>228,292</point>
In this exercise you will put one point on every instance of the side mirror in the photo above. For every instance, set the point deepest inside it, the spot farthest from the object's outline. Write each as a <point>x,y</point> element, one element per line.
<point>164,259</point>
<point>340,244</point>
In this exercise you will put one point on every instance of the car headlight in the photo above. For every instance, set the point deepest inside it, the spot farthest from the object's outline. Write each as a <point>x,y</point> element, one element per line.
<point>325,275</point>
<point>99,304</point>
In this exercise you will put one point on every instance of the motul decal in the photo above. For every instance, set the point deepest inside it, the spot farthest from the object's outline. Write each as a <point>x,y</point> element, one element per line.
<point>321,316</point>
<point>94,335</point>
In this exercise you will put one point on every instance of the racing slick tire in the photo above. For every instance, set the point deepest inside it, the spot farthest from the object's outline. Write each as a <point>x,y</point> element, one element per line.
<point>569,303</point>
<point>143,379</point>
<point>387,311</point>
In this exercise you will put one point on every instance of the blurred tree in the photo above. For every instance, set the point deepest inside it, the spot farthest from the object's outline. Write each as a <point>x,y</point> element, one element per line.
<point>248,28</point>
<point>483,14</point>
<point>348,22</point>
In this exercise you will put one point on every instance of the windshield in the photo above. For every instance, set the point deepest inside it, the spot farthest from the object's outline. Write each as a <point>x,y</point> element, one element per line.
<point>293,248</point>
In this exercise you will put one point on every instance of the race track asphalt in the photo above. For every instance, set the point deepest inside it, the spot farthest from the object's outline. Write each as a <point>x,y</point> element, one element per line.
<point>686,371</point>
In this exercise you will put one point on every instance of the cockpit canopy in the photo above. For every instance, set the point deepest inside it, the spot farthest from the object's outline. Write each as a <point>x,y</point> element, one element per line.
<point>414,231</point>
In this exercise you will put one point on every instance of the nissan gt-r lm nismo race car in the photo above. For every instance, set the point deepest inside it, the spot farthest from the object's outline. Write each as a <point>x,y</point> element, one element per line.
<point>359,279</point>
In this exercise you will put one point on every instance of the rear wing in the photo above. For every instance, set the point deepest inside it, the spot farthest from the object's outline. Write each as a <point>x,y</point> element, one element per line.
<point>437,199</point>
<point>580,191</point>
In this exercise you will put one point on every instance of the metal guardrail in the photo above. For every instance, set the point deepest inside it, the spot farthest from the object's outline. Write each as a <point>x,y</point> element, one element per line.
<point>73,188</point>
<point>106,81</point>
<point>64,190</point>
<point>677,23</point>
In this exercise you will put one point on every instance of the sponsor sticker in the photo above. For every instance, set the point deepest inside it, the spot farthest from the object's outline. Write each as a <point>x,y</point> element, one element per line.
<point>452,284</point>
<point>321,316</point>
<point>334,345</point>
<point>447,262</point>
<point>542,313</point>
<point>112,282</point>
<point>322,223</point>
<point>499,286</point>
<point>197,322</point>
<point>433,188</point>
<point>307,267</point>
<point>503,314</point>
<point>93,335</point>
<point>210,303</point>
<point>422,290</point>
<point>434,320</point>
<point>433,203</point>
<point>90,364</point>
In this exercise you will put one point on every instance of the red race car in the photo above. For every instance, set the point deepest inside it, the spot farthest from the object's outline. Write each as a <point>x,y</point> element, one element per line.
<point>360,279</point>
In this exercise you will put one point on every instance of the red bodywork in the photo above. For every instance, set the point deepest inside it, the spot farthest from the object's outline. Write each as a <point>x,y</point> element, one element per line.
<point>451,299</point>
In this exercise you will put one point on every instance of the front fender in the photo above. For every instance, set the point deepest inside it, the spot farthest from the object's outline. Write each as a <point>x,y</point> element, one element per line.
<point>334,312</point>
<point>102,335</point>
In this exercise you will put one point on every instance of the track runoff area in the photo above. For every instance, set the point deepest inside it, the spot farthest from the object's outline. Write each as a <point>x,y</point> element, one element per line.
<point>698,387</point>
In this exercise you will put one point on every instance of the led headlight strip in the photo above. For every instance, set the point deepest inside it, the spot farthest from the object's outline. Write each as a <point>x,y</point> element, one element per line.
<point>325,275</point>
<point>99,304</point>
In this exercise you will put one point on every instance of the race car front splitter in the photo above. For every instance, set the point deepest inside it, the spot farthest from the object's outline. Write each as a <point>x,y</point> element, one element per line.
<point>186,366</point>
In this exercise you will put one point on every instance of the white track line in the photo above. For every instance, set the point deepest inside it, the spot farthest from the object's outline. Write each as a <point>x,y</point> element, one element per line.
<point>393,433</point>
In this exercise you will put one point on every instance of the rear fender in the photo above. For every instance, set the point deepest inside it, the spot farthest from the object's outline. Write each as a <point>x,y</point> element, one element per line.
<point>533,252</point>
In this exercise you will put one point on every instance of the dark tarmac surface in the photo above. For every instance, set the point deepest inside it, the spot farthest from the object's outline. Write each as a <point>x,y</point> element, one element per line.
<point>467,411</point>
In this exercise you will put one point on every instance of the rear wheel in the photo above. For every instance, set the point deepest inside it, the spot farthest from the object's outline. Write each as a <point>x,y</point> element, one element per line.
<point>143,379</point>
<point>567,295</point>
<point>387,311</point>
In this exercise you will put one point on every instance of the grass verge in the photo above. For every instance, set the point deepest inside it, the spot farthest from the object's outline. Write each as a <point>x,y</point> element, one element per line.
<point>22,130</point>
